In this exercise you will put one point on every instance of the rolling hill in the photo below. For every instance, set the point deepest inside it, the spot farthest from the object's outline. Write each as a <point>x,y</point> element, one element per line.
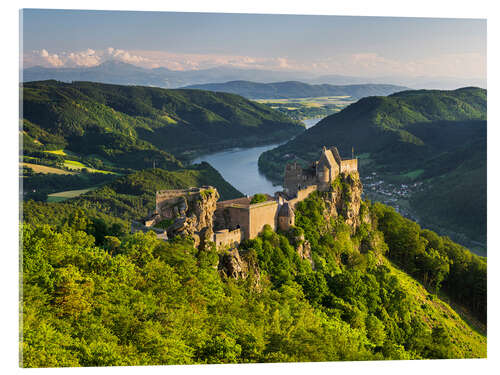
<point>132,126</point>
<point>435,137</point>
<point>294,89</point>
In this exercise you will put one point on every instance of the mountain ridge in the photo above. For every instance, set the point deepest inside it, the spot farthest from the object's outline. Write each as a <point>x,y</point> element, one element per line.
<point>297,89</point>
<point>163,77</point>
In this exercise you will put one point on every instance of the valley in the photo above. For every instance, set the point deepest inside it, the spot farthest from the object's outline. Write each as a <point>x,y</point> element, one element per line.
<point>435,139</point>
<point>340,241</point>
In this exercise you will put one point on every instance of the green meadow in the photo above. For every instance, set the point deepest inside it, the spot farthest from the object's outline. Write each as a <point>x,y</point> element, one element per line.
<point>64,195</point>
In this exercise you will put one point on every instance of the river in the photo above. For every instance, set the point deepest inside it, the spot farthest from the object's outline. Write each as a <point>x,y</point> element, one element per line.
<point>239,166</point>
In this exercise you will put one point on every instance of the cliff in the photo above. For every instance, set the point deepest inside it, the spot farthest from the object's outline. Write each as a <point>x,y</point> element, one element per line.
<point>344,199</point>
<point>190,214</point>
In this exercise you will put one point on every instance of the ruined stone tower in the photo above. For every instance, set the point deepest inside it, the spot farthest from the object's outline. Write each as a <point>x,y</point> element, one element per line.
<point>286,217</point>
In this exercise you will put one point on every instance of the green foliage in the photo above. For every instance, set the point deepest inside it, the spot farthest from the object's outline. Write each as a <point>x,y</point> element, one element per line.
<point>95,296</point>
<point>133,196</point>
<point>132,126</point>
<point>37,186</point>
<point>258,198</point>
<point>436,261</point>
<point>164,224</point>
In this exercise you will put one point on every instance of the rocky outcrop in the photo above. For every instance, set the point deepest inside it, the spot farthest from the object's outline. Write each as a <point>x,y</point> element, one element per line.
<point>344,199</point>
<point>303,246</point>
<point>304,251</point>
<point>191,213</point>
<point>232,265</point>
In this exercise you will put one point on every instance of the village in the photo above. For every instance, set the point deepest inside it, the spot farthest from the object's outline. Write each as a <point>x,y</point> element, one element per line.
<point>396,195</point>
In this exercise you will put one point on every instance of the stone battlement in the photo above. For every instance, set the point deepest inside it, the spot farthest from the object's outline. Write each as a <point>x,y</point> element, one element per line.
<point>174,193</point>
<point>349,166</point>
<point>228,238</point>
<point>302,194</point>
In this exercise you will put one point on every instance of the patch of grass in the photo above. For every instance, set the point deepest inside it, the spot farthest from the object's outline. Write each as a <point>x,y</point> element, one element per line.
<point>57,152</point>
<point>64,195</point>
<point>169,119</point>
<point>164,224</point>
<point>73,164</point>
<point>76,165</point>
<point>44,169</point>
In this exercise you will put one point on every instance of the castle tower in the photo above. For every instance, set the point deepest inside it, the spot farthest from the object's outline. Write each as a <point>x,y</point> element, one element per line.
<point>286,217</point>
<point>327,168</point>
<point>293,178</point>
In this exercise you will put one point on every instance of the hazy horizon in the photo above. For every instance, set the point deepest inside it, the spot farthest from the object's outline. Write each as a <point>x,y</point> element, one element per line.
<point>319,45</point>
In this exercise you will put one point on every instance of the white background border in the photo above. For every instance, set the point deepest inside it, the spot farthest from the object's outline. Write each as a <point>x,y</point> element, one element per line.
<point>9,160</point>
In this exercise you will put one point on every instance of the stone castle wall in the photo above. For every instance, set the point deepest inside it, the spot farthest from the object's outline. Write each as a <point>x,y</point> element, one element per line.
<point>166,197</point>
<point>349,166</point>
<point>293,178</point>
<point>302,194</point>
<point>249,218</point>
<point>261,214</point>
<point>228,238</point>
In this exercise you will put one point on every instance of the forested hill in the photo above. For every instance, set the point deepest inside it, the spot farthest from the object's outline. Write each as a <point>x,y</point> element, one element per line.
<point>94,295</point>
<point>294,89</point>
<point>403,123</point>
<point>126,198</point>
<point>132,125</point>
<point>411,135</point>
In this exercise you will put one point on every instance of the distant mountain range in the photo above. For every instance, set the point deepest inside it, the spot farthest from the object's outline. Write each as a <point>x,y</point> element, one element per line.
<point>294,89</point>
<point>127,74</point>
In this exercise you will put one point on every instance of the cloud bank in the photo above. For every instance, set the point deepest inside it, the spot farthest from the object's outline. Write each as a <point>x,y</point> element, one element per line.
<point>359,64</point>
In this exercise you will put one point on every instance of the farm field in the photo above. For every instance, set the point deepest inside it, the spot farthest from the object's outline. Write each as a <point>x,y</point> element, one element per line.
<point>45,169</point>
<point>76,165</point>
<point>64,195</point>
<point>313,101</point>
<point>304,108</point>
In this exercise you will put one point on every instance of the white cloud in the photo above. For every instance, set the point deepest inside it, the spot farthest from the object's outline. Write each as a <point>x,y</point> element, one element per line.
<point>86,58</point>
<point>363,63</point>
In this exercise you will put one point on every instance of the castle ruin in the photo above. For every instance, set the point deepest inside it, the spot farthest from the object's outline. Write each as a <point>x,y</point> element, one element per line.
<point>196,212</point>
<point>320,173</point>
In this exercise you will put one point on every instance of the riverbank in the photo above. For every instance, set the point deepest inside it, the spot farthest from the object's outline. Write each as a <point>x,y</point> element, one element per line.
<point>239,166</point>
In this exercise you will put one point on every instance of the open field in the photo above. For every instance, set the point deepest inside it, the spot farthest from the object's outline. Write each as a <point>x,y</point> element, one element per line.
<point>72,164</point>
<point>319,100</point>
<point>76,165</point>
<point>61,152</point>
<point>64,195</point>
<point>304,108</point>
<point>44,169</point>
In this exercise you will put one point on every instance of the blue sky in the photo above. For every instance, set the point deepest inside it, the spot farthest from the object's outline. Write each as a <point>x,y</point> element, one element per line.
<point>362,46</point>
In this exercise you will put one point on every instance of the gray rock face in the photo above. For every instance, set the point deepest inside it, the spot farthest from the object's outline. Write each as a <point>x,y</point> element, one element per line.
<point>232,265</point>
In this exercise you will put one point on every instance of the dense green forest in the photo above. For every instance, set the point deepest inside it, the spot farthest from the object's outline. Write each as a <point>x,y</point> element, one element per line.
<point>435,137</point>
<point>294,89</point>
<point>132,197</point>
<point>96,296</point>
<point>131,126</point>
